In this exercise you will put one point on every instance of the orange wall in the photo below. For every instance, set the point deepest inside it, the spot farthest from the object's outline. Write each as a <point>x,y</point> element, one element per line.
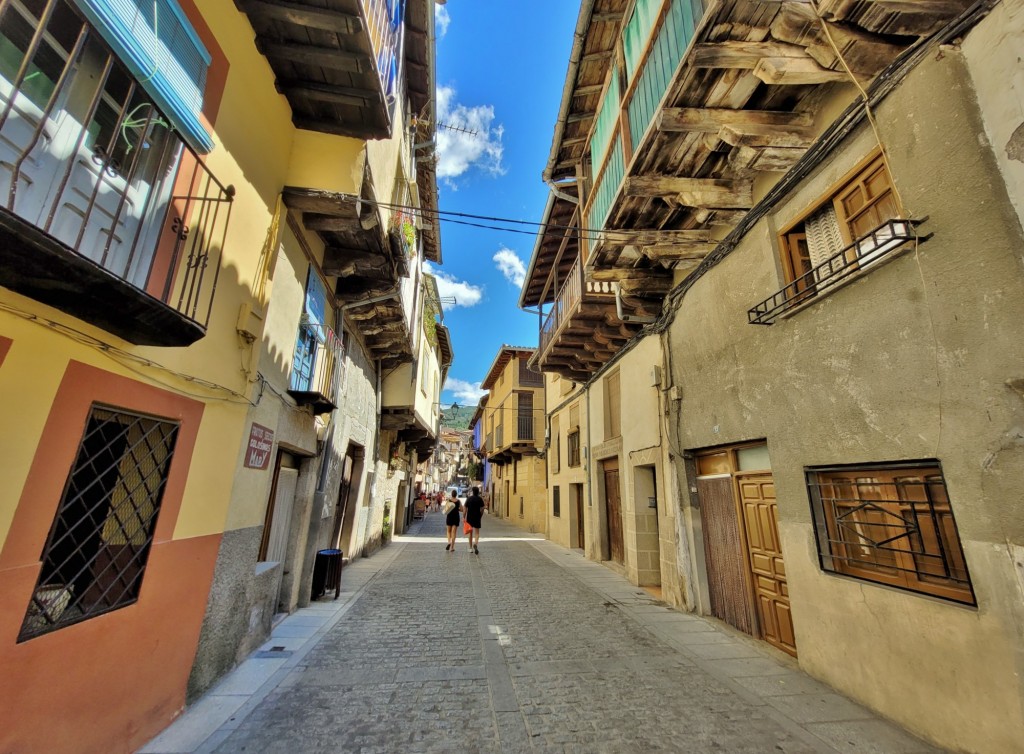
<point>111,682</point>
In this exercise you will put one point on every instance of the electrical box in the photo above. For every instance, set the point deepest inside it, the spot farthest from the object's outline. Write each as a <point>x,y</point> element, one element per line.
<point>655,376</point>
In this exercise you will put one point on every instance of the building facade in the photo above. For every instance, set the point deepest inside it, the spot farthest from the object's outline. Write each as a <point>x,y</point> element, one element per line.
<point>197,316</point>
<point>825,295</point>
<point>513,423</point>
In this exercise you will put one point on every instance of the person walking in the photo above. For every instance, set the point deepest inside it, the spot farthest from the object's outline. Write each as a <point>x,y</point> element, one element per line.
<point>474,517</point>
<point>452,508</point>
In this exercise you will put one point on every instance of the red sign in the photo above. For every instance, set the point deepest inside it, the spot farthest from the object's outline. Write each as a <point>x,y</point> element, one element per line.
<point>261,441</point>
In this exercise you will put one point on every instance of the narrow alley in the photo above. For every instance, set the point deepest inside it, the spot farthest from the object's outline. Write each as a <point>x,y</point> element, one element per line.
<point>525,647</point>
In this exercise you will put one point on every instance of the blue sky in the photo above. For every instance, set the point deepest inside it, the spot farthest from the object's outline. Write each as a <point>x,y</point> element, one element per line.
<point>501,66</point>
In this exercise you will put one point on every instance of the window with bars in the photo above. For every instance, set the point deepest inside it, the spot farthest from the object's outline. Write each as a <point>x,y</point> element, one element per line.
<point>556,501</point>
<point>892,525</point>
<point>95,556</point>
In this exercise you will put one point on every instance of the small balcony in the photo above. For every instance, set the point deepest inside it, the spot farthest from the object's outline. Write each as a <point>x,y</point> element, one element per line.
<point>863,254</point>
<point>524,429</point>
<point>337,61</point>
<point>105,212</point>
<point>316,368</point>
<point>581,331</point>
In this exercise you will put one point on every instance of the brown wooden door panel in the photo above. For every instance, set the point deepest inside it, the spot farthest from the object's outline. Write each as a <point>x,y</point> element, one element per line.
<point>760,514</point>
<point>611,491</point>
<point>723,554</point>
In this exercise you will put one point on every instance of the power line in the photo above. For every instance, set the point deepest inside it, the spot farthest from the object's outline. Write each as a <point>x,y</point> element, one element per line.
<point>591,234</point>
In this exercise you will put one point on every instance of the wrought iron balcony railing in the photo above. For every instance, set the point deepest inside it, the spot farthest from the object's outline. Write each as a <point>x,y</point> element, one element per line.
<point>525,429</point>
<point>97,187</point>
<point>865,252</point>
<point>316,368</point>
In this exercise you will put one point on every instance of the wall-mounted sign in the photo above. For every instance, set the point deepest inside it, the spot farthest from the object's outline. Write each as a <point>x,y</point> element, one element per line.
<point>261,441</point>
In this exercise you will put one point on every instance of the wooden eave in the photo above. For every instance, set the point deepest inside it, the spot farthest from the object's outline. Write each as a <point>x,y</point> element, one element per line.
<point>367,263</point>
<point>585,81</point>
<point>557,235</point>
<point>505,354</point>
<point>740,105</point>
<point>444,346</point>
<point>322,57</point>
<point>587,341</point>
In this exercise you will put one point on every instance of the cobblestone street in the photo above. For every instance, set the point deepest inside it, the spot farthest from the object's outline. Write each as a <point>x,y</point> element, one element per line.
<point>525,647</point>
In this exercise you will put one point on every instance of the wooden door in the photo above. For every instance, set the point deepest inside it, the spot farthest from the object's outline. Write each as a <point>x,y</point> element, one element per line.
<point>723,553</point>
<point>577,493</point>
<point>344,492</point>
<point>760,521</point>
<point>616,548</point>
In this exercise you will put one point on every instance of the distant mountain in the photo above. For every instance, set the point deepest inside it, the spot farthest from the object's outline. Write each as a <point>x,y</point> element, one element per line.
<point>457,417</point>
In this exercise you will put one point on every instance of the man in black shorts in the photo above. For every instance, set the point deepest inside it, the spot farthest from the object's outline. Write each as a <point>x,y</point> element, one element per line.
<point>474,517</point>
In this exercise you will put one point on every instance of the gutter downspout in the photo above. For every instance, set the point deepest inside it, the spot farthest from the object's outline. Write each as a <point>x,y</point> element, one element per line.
<point>629,317</point>
<point>558,192</point>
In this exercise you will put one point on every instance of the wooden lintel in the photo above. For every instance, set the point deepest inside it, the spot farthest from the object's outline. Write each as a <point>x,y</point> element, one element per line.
<point>323,57</point>
<point>693,192</point>
<point>335,95</point>
<point>302,14</point>
<point>338,261</point>
<point>795,71</point>
<point>711,120</point>
<point>740,54</point>
<point>350,127</point>
<point>650,237</point>
<point>329,223</point>
<point>767,136</point>
<point>677,252</point>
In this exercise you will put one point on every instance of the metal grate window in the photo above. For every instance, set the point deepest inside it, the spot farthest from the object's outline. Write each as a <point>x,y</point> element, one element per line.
<point>556,501</point>
<point>96,554</point>
<point>892,525</point>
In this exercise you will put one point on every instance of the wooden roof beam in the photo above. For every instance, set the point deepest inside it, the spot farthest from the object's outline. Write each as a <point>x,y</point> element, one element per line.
<point>677,252</point>
<point>693,192</point>
<point>771,62</point>
<point>649,237</point>
<point>339,261</point>
<point>323,57</point>
<point>712,120</point>
<point>333,95</point>
<point>302,14</point>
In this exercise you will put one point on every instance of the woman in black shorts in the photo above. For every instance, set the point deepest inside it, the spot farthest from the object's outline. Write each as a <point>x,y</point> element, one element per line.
<point>451,520</point>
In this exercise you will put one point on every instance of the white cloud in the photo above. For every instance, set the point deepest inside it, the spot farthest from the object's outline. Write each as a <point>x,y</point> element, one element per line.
<point>442,19</point>
<point>511,266</point>
<point>466,393</point>
<point>479,145</point>
<point>465,294</point>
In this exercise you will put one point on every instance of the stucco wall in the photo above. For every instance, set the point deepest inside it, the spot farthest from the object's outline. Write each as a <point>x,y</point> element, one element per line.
<point>911,361</point>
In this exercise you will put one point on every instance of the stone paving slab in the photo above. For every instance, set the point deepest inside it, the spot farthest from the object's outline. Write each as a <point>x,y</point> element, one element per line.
<point>526,647</point>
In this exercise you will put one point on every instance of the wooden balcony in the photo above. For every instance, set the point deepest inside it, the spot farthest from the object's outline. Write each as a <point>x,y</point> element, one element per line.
<point>670,120</point>
<point>337,61</point>
<point>582,330</point>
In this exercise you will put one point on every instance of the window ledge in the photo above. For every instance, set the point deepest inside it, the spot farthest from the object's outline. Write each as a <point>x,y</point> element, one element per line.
<point>851,278</point>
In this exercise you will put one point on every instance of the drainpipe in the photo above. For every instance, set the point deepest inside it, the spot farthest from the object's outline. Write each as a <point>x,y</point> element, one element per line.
<point>559,193</point>
<point>629,317</point>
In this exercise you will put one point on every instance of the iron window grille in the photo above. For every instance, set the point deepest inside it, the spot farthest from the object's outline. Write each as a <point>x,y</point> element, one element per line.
<point>892,525</point>
<point>864,252</point>
<point>95,556</point>
<point>573,443</point>
<point>556,501</point>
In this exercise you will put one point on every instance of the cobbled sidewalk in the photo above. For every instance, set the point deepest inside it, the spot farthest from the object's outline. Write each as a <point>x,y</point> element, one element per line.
<point>526,647</point>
